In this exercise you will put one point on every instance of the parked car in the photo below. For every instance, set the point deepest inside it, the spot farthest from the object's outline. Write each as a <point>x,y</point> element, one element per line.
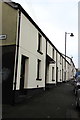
<point>77,85</point>
<point>73,81</point>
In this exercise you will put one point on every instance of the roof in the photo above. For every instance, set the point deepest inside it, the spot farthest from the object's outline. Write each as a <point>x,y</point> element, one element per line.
<point>70,59</point>
<point>18,6</point>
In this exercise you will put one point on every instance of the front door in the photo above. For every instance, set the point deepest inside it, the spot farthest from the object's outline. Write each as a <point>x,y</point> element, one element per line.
<point>22,76</point>
<point>57,75</point>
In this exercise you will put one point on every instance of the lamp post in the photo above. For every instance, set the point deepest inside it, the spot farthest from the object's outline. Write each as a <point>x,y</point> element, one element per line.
<point>71,35</point>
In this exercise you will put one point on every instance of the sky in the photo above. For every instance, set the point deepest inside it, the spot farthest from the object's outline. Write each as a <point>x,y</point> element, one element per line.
<point>55,17</point>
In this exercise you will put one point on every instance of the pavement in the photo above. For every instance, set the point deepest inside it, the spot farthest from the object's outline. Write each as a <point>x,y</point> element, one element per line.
<point>56,102</point>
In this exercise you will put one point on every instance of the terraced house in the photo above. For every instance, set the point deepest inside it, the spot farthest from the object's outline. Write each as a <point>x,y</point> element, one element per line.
<point>30,62</point>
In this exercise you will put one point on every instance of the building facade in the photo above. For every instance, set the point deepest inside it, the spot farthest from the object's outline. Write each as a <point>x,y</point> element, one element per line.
<point>30,60</point>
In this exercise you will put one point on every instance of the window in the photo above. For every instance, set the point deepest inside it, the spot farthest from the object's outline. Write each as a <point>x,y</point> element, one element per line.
<point>22,76</point>
<point>39,70</point>
<point>60,59</point>
<point>53,74</point>
<point>53,53</point>
<point>60,75</point>
<point>39,43</point>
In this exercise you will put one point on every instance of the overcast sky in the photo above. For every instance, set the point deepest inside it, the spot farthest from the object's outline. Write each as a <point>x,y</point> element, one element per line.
<point>55,17</point>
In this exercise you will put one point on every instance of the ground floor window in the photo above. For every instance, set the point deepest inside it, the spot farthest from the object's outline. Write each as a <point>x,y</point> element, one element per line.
<point>52,73</point>
<point>39,69</point>
<point>60,75</point>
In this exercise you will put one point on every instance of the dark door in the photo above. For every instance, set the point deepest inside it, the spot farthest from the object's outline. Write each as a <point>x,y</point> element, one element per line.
<point>22,73</point>
<point>62,74</point>
<point>57,75</point>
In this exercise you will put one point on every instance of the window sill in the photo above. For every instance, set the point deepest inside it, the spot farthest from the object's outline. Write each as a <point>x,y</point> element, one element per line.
<point>40,52</point>
<point>38,79</point>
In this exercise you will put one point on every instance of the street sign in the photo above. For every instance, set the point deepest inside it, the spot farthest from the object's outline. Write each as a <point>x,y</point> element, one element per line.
<point>3,37</point>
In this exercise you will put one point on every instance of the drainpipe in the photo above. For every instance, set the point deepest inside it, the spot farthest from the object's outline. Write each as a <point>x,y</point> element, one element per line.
<point>17,51</point>
<point>46,66</point>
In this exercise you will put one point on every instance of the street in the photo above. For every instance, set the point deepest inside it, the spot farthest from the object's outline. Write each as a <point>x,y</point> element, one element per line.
<point>56,102</point>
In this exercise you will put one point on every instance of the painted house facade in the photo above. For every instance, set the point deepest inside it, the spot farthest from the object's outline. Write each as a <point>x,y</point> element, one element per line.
<point>50,64</point>
<point>30,60</point>
<point>72,68</point>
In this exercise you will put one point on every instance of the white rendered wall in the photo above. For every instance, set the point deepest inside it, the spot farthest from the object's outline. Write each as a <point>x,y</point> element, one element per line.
<point>49,49</point>
<point>67,71</point>
<point>28,47</point>
<point>49,80</point>
<point>58,65</point>
<point>63,69</point>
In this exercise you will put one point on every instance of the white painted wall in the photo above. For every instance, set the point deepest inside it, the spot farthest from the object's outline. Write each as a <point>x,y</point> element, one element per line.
<point>28,47</point>
<point>63,69</point>
<point>58,65</point>
<point>49,69</point>
<point>49,49</point>
<point>67,71</point>
<point>49,80</point>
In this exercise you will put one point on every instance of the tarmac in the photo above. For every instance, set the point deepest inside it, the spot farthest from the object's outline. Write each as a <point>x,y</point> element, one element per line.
<point>56,102</point>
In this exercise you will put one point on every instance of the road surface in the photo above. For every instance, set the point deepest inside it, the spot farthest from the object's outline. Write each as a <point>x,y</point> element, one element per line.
<point>56,102</point>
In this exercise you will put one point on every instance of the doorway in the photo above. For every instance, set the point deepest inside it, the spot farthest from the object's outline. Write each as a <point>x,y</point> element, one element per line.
<point>24,69</point>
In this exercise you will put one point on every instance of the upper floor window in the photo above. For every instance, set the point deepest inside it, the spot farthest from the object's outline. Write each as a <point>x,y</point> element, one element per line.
<point>53,53</point>
<point>60,59</point>
<point>39,43</point>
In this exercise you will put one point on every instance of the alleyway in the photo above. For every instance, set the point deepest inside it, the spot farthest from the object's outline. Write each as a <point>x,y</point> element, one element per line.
<point>56,102</point>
